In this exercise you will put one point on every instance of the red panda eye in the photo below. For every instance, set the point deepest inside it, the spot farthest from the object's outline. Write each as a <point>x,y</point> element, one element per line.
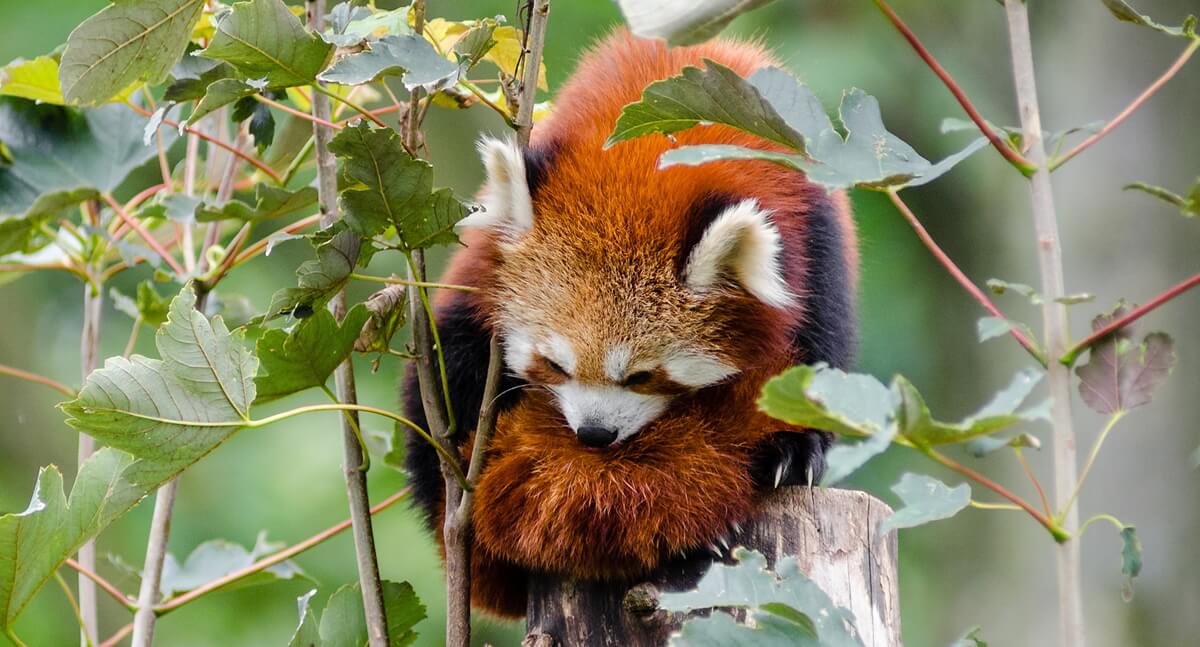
<point>556,368</point>
<point>635,379</point>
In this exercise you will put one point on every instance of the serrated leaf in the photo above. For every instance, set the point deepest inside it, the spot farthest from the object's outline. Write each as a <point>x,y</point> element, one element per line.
<point>217,558</point>
<point>715,94</point>
<point>1120,374</point>
<point>264,40</point>
<point>318,279</point>
<point>36,79</point>
<point>918,426</point>
<point>828,399</point>
<point>126,42</point>
<point>748,584</point>
<point>1125,12</point>
<point>351,26</point>
<point>384,185</point>
<point>343,624</point>
<point>1000,287</point>
<point>222,93</point>
<point>180,407</point>
<point>410,55</point>
<point>476,42</point>
<point>305,357</point>
<point>148,306</point>
<point>925,499</point>
<point>270,202</point>
<point>992,327</point>
<point>683,22</point>
<point>775,106</point>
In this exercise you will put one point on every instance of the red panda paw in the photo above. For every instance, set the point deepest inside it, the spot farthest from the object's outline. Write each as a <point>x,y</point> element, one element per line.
<point>790,458</point>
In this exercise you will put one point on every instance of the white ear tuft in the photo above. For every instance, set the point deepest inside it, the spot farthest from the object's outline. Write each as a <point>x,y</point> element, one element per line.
<point>507,204</point>
<point>744,245</point>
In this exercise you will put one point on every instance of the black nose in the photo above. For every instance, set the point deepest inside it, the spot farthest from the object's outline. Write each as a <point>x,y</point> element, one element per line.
<point>596,436</point>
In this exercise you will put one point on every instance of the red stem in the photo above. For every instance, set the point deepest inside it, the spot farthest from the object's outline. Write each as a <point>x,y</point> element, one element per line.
<point>38,379</point>
<point>117,637</point>
<point>1069,357</point>
<point>1129,110</point>
<point>104,584</point>
<point>257,163</point>
<point>150,240</point>
<point>1015,158</point>
<point>958,275</point>
<point>298,113</point>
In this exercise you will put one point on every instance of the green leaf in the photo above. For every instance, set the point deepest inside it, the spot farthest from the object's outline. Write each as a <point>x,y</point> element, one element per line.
<point>308,355</point>
<point>384,185</point>
<point>343,623</point>
<point>1125,12</point>
<point>1188,205</point>
<point>36,79</point>
<point>178,409</point>
<point>126,42</point>
<point>389,310</point>
<point>411,55</point>
<point>222,93</point>
<point>970,639</point>
<point>1131,558</point>
<point>264,40</point>
<point>918,426</point>
<point>149,306</point>
<point>992,327</point>
<point>270,202</point>
<point>715,94</point>
<point>60,157</point>
<point>1120,374</point>
<point>319,279</point>
<point>826,398</point>
<point>1000,287</point>
<point>984,445</point>
<point>925,499</point>
<point>786,607</point>
<point>194,75</point>
<point>683,23</point>
<point>476,43</point>
<point>351,26</point>
<point>844,459</point>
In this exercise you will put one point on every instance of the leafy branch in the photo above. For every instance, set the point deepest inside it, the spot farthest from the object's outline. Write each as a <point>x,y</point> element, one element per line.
<point>1069,357</point>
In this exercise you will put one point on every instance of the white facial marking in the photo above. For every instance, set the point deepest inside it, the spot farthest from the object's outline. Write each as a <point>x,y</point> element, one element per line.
<point>557,349</point>
<point>607,406</point>
<point>518,349</point>
<point>742,242</point>
<point>616,362</point>
<point>696,369</point>
<point>507,204</point>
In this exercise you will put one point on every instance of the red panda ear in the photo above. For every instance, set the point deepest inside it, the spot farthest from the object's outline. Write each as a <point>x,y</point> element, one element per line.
<point>507,204</point>
<point>741,244</point>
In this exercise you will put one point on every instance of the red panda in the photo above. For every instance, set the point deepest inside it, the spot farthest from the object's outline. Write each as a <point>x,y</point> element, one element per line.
<point>640,311</point>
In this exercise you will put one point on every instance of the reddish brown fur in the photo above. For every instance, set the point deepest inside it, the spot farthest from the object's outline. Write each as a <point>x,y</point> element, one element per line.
<point>547,502</point>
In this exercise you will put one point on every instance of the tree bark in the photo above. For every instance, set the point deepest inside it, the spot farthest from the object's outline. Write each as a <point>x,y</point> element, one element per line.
<point>833,533</point>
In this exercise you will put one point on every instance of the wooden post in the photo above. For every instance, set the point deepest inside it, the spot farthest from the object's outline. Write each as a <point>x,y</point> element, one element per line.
<point>833,533</point>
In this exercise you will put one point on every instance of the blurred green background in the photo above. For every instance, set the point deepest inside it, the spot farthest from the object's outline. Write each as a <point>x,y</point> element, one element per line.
<point>990,569</point>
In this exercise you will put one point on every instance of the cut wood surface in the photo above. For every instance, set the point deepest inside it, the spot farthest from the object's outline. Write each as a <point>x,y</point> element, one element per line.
<point>834,534</point>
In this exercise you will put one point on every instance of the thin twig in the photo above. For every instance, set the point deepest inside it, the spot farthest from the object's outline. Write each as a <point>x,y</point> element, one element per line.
<point>348,103</point>
<point>85,629</point>
<point>1037,485</point>
<point>946,262</point>
<point>117,637</point>
<point>145,235</point>
<point>254,161</point>
<point>1091,460</point>
<point>1014,157</point>
<point>394,280</point>
<point>1131,108</point>
<point>275,558</point>
<point>38,379</point>
<point>108,587</point>
<point>1068,358</point>
<point>294,112</point>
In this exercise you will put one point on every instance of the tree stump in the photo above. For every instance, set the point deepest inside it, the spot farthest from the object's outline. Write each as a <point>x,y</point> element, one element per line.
<point>833,533</point>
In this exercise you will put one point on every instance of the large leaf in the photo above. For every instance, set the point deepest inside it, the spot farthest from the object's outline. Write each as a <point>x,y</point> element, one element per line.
<point>826,398</point>
<point>128,41</point>
<point>918,426</point>
<point>683,22</point>
<point>408,54</point>
<point>342,623</point>
<point>179,408</point>
<point>787,607</point>
<point>1121,374</point>
<point>36,79</point>
<point>264,40</point>
<point>844,459</point>
<point>308,355</point>
<point>221,93</point>
<point>715,94</point>
<point>319,279</point>
<point>925,499</point>
<point>60,157</point>
<point>384,185</point>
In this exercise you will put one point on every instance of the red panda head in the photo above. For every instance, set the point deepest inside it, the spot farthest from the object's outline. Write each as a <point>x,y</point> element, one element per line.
<point>620,298</point>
